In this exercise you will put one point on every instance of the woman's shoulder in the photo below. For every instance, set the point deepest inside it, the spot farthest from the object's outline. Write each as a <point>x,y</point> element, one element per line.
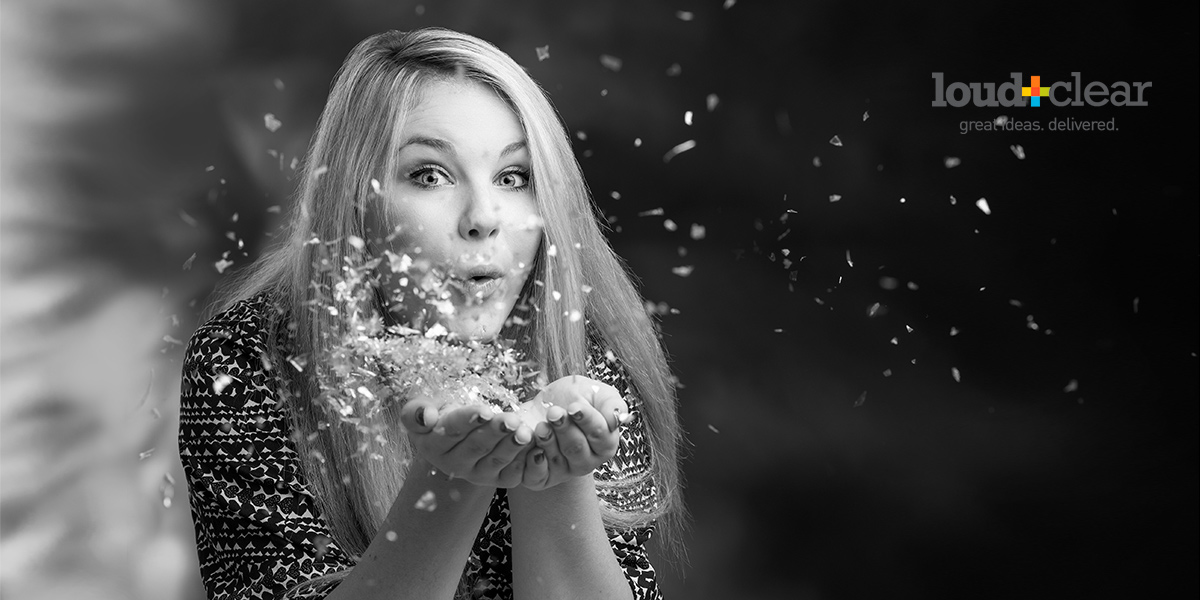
<point>243,327</point>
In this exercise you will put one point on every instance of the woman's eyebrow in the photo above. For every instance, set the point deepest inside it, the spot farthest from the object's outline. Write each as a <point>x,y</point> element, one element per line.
<point>446,147</point>
<point>437,144</point>
<point>513,147</point>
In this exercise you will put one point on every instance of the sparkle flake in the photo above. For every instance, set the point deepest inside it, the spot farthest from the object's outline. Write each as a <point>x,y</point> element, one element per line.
<point>427,501</point>
<point>952,161</point>
<point>679,149</point>
<point>836,141</point>
<point>610,62</point>
<point>543,52</point>
<point>982,205</point>
<point>271,122</point>
<point>683,271</point>
<point>1018,151</point>
<point>697,232</point>
<point>954,373</point>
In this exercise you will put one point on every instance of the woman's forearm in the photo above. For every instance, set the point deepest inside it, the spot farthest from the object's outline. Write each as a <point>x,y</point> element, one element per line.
<point>421,549</point>
<point>560,548</point>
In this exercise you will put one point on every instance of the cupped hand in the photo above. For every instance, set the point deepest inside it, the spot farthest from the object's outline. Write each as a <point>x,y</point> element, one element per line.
<point>469,442</point>
<point>581,431</point>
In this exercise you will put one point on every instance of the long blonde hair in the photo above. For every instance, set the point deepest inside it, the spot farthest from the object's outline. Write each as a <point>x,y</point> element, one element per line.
<point>355,140</point>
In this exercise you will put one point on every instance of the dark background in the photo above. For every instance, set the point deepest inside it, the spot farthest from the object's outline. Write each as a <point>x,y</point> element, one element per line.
<point>833,454</point>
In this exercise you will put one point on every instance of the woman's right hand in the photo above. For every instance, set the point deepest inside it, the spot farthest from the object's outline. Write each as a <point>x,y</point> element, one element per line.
<point>469,442</point>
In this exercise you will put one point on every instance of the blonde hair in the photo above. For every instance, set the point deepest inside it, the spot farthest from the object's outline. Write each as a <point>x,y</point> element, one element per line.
<point>355,140</point>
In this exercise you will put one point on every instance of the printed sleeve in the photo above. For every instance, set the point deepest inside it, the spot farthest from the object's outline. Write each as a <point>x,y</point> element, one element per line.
<point>624,484</point>
<point>258,531</point>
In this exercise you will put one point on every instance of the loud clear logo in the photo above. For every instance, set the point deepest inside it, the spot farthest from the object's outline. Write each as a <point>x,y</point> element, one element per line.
<point>1016,92</point>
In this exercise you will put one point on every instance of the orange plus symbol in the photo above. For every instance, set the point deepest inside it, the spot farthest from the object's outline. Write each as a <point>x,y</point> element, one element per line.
<point>1035,92</point>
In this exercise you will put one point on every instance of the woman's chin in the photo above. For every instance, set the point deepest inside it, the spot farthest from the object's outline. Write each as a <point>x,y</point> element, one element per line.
<point>483,327</point>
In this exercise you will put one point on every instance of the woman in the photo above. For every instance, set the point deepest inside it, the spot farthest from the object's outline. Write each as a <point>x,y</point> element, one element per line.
<point>433,145</point>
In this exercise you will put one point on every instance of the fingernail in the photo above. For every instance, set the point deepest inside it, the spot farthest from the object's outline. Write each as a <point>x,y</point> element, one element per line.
<point>522,437</point>
<point>559,421</point>
<point>421,417</point>
<point>577,415</point>
<point>539,458</point>
<point>505,427</point>
<point>625,418</point>
<point>549,434</point>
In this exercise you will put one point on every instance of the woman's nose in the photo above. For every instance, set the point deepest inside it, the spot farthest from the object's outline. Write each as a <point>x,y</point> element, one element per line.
<point>481,216</point>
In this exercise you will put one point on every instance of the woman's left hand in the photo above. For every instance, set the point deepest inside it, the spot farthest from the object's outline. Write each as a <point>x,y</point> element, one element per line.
<point>581,431</point>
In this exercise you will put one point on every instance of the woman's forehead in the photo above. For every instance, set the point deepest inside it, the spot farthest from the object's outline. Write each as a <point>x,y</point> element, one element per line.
<point>461,116</point>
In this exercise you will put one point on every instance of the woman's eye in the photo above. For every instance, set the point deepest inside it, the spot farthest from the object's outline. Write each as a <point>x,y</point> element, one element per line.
<point>514,179</point>
<point>429,177</point>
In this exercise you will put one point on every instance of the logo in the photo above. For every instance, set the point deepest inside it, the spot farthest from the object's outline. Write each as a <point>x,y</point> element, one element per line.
<point>1035,92</point>
<point>1060,93</point>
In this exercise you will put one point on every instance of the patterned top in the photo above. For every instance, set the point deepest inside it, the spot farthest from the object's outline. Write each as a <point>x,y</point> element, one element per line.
<point>259,532</point>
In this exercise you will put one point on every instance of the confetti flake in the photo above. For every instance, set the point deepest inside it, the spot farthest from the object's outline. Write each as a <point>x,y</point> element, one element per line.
<point>816,161</point>
<point>610,62</point>
<point>222,264</point>
<point>698,231</point>
<point>952,161</point>
<point>687,118</point>
<point>143,455</point>
<point>187,218</point>
<point>862,399</point>
<point>543,52</point>
<point>953,331</point>
<point>954,373</point>
<point>874,309</point>
<point>552,251</point>
<point>1018,151</point>
<point>271,122</point>
<point>651,213</point>
<point>391,536</point>
<point>187,264</point>
<point>835,197</point>
<point>712,428</point>
<point>982,205</point>
<point>1072,385</point>
<point>684,15</point>
<point>221,382</point>
<point>836,141</point>
<point>1001,120</point>
<point>675,70</point>
<point>729,4</point>
<point>683,271</point>
<point>1136,301</point>
<point>711,102</point>
<point>849,261</point>
<point>427,501</point>
<point>679,149</point>
<point>866,115</point>
<point>670,225</point>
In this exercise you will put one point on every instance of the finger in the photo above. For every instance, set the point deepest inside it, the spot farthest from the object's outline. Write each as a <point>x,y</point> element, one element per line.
<point>419,415</point>
<point>514,472</point>
<point>614,409</point>
<point>457,425</point>
<point>537,470</point>
<point>513,438</point>
<point>572,441</point>
<point>601,438</point>
<point>461,421</point>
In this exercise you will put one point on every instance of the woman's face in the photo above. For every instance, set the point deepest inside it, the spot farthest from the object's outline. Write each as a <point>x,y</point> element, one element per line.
<point>463,204</point>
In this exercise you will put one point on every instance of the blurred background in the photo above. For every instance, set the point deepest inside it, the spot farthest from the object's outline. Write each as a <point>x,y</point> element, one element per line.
<point>914,363</point>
